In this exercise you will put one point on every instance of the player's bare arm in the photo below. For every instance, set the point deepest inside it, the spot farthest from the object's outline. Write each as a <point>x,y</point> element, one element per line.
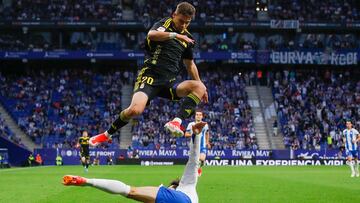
<point>194,74</point>
<point>357,139</point>
<point>164,36</point>
<point>207,137</point>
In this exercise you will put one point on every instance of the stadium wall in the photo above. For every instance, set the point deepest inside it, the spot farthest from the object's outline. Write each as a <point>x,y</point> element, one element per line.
<point>266,57</point>
<point>215,157</point>
<point>18,155</point>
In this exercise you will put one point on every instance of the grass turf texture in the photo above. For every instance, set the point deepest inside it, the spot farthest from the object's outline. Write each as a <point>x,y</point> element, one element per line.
<point>217,184</point>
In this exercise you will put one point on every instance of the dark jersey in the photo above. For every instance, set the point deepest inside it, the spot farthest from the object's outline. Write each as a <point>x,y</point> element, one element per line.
<point>165,57</point>
<point>84,143</point>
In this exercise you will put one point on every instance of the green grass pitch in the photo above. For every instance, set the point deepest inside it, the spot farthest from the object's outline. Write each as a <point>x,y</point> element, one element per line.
<point>217,184</point>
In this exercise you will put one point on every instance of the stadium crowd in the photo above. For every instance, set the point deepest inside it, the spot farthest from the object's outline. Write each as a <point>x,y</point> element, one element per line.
<point>326,10</point>
<point>7,133</point>
<point>145,10</point>
<point>122,10</point>
<point>54,113</point>
<point>129,41</point>
<point>314,105</point>
<point>148,12</point>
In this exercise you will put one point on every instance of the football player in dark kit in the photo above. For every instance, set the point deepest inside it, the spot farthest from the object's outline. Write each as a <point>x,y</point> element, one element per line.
<point>167,44</point>
<point>84,150</point>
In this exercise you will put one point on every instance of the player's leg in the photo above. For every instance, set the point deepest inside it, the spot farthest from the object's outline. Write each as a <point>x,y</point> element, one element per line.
<point>82,160</point>
<point>191,91</point>
<point>356,165</point>
<point>137,106</point>
<point>352,166</point>
<point>202,163</point>
<point>142,194</point>
<point>190,173</point>
<point>350,162</point>
<point>203,150</point>
<point>202,158</point>
<point>187,87</point>
<point>189,179</point>
<point>87,163</point>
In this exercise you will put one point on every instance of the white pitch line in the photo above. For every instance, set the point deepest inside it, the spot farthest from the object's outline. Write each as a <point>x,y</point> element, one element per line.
<point>22,168</point>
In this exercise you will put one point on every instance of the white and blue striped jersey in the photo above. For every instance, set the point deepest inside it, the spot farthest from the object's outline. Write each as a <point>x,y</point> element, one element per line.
<point>350,136</point>
<point>203,135</point>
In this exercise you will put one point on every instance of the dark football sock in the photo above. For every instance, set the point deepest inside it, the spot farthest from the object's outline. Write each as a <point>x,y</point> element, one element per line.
<point>121,121</point>
<point>188,106</point>
<point>202,163</point>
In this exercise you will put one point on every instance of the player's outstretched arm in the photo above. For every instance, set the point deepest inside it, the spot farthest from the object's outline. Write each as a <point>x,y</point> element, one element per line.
<point>208,139</point>
<point>357,139</point>
<point>192,69</point>
<point>160,36</point>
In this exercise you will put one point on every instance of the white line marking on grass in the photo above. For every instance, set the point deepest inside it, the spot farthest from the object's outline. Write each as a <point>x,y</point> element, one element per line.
<point>22,168</point>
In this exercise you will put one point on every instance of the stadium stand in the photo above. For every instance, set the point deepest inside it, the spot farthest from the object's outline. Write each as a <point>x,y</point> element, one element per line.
<point>54,114</point>
<point>327,10</point>
<point>313,104</point>
<point>7,133</point>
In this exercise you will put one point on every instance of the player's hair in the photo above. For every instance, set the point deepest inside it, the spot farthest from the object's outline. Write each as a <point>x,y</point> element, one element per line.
<point>201,111</point>
<point>186,9</point>
<point>175,183</point>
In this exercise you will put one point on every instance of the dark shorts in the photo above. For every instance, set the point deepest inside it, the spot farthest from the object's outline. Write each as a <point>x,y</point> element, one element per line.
<point>84,152</point>
<point>156,85</point>
<point>166,195</point>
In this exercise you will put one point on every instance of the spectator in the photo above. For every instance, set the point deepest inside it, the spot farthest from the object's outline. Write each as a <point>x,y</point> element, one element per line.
<point>38,159</point>
<point>59,160</point>
<point>312,111</point>
<point>31,160</point>
<point>275,128</point>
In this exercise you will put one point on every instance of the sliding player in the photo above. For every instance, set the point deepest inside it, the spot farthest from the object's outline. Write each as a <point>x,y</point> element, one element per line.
<point>178,192</point>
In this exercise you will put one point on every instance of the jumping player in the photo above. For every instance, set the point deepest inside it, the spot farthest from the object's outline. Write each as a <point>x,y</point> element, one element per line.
<point>178,192</point>
<point>204,139</point>
<point>351,138</point>
<point>167,44</point>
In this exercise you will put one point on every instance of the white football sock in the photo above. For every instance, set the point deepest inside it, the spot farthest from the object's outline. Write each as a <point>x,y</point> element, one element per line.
<point>110,186</point>
<point>356,166</point>
<point>352,166</point>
